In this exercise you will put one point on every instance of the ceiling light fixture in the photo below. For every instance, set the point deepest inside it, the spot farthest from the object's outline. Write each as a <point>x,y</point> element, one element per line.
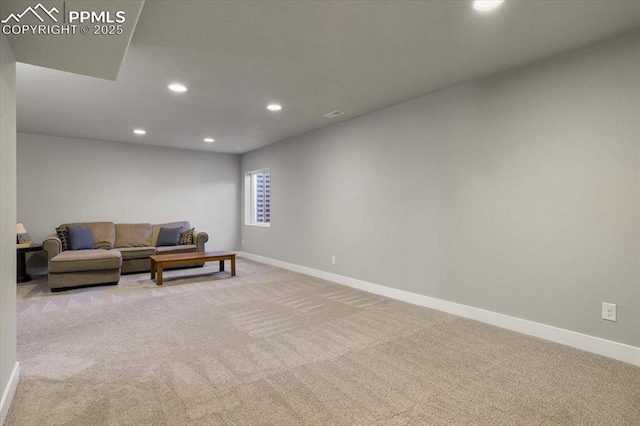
<point>209,140</point>
<point>483,5</point>
<point>177,87</point>
<point>274,107</point>
<point>139,132</point>
<point>333,114</point>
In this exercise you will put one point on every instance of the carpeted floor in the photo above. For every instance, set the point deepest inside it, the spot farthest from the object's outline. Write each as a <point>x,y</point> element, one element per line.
<point>274,347</point>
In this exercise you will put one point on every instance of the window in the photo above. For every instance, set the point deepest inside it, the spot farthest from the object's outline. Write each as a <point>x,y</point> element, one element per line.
<point>257,201</point>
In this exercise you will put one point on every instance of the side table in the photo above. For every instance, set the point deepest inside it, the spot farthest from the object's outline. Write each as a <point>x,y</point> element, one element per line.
<point>23,277</point>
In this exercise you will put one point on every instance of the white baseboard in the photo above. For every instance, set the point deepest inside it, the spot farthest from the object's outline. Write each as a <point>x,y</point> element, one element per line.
<point>608,348</point>
<point>9,391</point>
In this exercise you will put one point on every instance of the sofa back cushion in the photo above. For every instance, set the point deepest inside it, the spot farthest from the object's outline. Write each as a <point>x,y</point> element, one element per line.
<point>156,229</point>
<point>104,233</point>
<point>133,235</point>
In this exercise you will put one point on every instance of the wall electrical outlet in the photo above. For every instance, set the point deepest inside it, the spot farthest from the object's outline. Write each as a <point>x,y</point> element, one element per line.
<point>609,311</point>
<point>333,260</point>
<point>243,241</point>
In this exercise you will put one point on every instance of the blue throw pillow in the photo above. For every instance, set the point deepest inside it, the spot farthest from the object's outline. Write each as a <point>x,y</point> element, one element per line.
<point>80,238</point>
<point>169,236</point>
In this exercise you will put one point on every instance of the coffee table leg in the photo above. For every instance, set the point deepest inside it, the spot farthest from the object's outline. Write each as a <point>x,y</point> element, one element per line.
<point>153,269</point>
<point>233,266</point>
<point>159,280</point>
<point>222,266</point>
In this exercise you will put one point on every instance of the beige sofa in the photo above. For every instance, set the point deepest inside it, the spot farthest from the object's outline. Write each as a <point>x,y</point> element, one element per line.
<point>119,249</point>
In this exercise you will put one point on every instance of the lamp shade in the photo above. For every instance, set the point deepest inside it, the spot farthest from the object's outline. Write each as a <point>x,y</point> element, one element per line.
<point>20,229</point>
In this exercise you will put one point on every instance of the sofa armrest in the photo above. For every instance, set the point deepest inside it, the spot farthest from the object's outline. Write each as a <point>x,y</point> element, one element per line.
<point>200,238</point>
<point>52,245</point>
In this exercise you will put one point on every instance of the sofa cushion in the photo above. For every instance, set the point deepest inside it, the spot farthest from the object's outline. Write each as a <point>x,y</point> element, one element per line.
<point>80,238</point>
<point>187,237</point>
<point>133,235</point>
<point>156,229</point>
<point>136,252</point>
<point>104,233</point>
<point>177,249</point>
<point>85,260</point>
<point>169,236</point>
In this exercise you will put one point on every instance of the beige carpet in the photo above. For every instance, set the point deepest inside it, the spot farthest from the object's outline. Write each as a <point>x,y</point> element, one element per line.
<point>274,347</point>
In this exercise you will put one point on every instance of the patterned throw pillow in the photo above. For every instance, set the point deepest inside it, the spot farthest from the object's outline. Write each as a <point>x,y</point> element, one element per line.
<point>187,237</point>
<point>64,237</point>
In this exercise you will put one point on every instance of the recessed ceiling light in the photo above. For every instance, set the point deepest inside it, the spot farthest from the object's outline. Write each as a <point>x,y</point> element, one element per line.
<point>274,107</point>
<point>333,114</point>
<point>486,4</point>
<point>209,140</point>
<point>139,132</point>
<point>177,87</point>
<point>239,148</point>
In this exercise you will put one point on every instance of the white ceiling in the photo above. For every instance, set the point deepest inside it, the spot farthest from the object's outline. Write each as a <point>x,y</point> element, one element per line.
<point>312,57</point>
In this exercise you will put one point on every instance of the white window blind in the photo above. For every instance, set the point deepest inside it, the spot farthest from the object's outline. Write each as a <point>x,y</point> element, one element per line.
<point>258,198</point>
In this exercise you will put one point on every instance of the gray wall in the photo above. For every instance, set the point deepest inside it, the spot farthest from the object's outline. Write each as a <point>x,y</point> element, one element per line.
<point>7,214</point>
<point>517,193</point>
<point>64,180</point>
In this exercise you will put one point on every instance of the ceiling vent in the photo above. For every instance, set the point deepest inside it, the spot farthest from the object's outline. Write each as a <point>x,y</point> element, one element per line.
<point>333,114</point>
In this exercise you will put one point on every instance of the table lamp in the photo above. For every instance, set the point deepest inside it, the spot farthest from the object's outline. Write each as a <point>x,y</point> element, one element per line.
<point>20,231</point>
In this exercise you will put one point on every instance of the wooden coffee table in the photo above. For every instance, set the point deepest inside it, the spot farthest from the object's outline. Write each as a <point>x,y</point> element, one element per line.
<point>159,261</point>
